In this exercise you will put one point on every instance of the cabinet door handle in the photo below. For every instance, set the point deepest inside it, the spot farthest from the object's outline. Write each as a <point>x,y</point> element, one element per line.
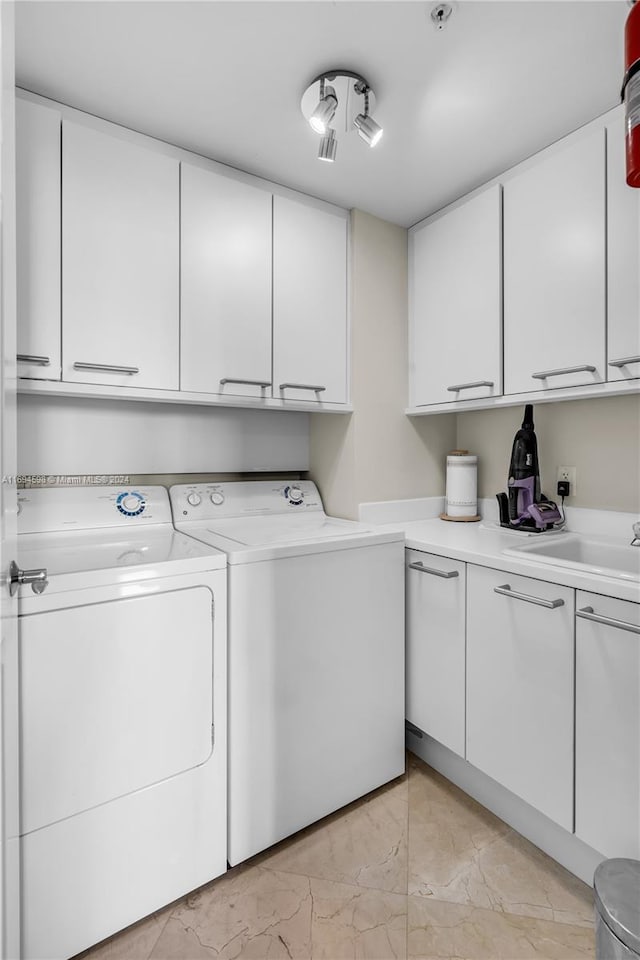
<point>506,591</point>
<point>445,574</point>
<point>623,361</point>
<point>251,383</point>
<point>583,368</point>
<point>587,614</point>
<point>28,358</point>
<point>469,386</point>
<point>302,386</point>
<point>106,368</point>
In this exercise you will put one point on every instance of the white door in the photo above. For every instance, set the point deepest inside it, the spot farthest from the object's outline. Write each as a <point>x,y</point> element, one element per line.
<point>120,256</point>
<point>455,348</point>
<point>554,269</point>
<point>608,725</point>
<point>435,654</point>
<point>520,687</point>
<point>309,302</point>
<point>9,798</point>
<point>623,246</point>
<point>225,289</point>
<point>38,240</point>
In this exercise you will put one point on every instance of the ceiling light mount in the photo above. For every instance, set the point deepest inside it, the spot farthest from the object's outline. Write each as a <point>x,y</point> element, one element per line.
<point>340,101</point>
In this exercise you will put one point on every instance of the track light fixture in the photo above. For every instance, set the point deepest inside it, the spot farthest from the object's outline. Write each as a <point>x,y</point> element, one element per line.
<point>335,97</point>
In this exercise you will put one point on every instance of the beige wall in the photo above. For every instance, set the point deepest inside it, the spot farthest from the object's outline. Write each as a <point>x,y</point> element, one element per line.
<point>600,438</point>
<point>378,453</point>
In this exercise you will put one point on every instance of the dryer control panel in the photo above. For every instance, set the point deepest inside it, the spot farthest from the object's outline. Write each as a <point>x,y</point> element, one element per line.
<point>244,498</point>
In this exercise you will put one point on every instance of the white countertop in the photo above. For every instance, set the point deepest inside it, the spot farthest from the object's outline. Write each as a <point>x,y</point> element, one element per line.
<point>484,543</point>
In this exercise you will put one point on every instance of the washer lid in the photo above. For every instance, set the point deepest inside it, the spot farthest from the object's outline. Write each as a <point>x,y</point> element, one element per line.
<point>271,531</point>
<point>617,892</point>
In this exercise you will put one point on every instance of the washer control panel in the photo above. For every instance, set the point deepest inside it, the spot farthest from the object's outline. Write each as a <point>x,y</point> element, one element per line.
<point>243,498</point>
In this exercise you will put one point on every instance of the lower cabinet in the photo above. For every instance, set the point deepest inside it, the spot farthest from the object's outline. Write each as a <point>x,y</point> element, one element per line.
<point>608,724</point>
<point>435,656</point>
<point>520,682</point>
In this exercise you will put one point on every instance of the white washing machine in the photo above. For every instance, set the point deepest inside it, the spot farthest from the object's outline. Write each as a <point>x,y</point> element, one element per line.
<point>316,653</point>
<point>122,713</point>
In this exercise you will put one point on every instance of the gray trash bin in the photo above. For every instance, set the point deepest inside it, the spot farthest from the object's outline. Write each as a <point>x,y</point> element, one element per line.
<point>617,894</point>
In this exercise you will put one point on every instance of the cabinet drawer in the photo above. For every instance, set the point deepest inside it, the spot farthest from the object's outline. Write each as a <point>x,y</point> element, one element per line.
<point>435,700</point>
<point>520,675</point>
<point>608,725</point>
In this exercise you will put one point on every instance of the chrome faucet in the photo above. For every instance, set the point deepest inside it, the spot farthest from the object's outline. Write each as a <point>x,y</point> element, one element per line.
<point>636,535</point>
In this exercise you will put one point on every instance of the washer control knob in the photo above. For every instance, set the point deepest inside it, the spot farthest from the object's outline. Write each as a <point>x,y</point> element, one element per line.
<point>217,498</point>
<point>295,495</point>
<point>194,499</point>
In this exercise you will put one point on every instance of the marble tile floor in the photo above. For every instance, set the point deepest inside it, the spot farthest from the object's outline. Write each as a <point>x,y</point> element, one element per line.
<point>415,870</point>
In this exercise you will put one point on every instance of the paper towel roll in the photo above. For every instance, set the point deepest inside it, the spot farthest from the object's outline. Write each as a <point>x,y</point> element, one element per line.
<point>462,484</point>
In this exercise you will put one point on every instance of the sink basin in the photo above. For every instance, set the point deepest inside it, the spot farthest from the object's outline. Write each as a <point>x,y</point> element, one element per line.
<point>597,555</point>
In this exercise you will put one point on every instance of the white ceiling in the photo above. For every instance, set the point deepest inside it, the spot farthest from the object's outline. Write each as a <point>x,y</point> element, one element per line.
<point>224,79</point>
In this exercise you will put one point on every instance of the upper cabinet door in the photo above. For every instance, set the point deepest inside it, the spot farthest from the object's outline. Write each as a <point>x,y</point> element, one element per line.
<point>309,303</point>
<point>456,316</point>
<point>38,240</point>
<point>120,238</point>
<point>554,269</point>
<point>623,239</point>
<point>225,285</point>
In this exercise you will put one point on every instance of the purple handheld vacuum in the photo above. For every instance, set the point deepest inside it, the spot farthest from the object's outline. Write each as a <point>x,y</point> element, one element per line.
<point>525,507</point>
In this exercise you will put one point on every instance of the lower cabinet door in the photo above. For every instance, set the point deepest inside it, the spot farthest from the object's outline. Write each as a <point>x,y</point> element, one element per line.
<point>608,724</point>
<point>435,657</point>
<point>520,682</point>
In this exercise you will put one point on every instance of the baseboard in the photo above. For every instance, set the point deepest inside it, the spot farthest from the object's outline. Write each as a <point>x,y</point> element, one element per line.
<point>565,847</point>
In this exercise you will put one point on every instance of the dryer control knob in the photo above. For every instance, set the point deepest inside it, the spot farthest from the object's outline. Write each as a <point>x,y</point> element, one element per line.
<point>194,499</point>
<point>130,503</point>
<point>217,498</point>
<point>295,495</point>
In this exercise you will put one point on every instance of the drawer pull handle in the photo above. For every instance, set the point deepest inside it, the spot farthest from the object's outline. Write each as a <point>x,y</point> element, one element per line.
<point>587,614</point>
<point>469,386</point>
<point>506,591</point>
<point>105,368</point>
<point>445,574</point>
<point>302,386</point>
<point>28,358</point>
<point>623,361</point>
<point>583,368</point>
<point>251,383</point>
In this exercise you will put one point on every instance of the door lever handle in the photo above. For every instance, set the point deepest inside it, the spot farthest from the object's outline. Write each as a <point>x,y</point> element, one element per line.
<point>17,577</point>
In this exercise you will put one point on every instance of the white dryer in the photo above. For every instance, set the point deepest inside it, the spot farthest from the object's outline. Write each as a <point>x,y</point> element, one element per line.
<point>316,653</point>
<point>122,713</point>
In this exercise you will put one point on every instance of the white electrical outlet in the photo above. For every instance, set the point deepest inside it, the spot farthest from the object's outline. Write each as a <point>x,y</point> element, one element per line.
<point>568,473</point>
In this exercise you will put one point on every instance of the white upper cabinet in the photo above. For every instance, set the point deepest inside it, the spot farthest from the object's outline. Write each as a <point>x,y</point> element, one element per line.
<point>309,302</point>
<point>623,239</point>
<point>120,249</point>
<point>225,285</point>
<point>455,303</point>
<point>554,268</point>
<point>38,240</point>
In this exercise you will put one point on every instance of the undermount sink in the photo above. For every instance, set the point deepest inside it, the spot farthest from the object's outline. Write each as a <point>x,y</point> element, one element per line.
<point>601,556</point>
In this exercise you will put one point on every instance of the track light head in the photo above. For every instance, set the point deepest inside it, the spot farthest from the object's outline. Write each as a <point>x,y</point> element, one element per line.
<point>328,146</point>
<point>325,111</point>
<point>369,130</point>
